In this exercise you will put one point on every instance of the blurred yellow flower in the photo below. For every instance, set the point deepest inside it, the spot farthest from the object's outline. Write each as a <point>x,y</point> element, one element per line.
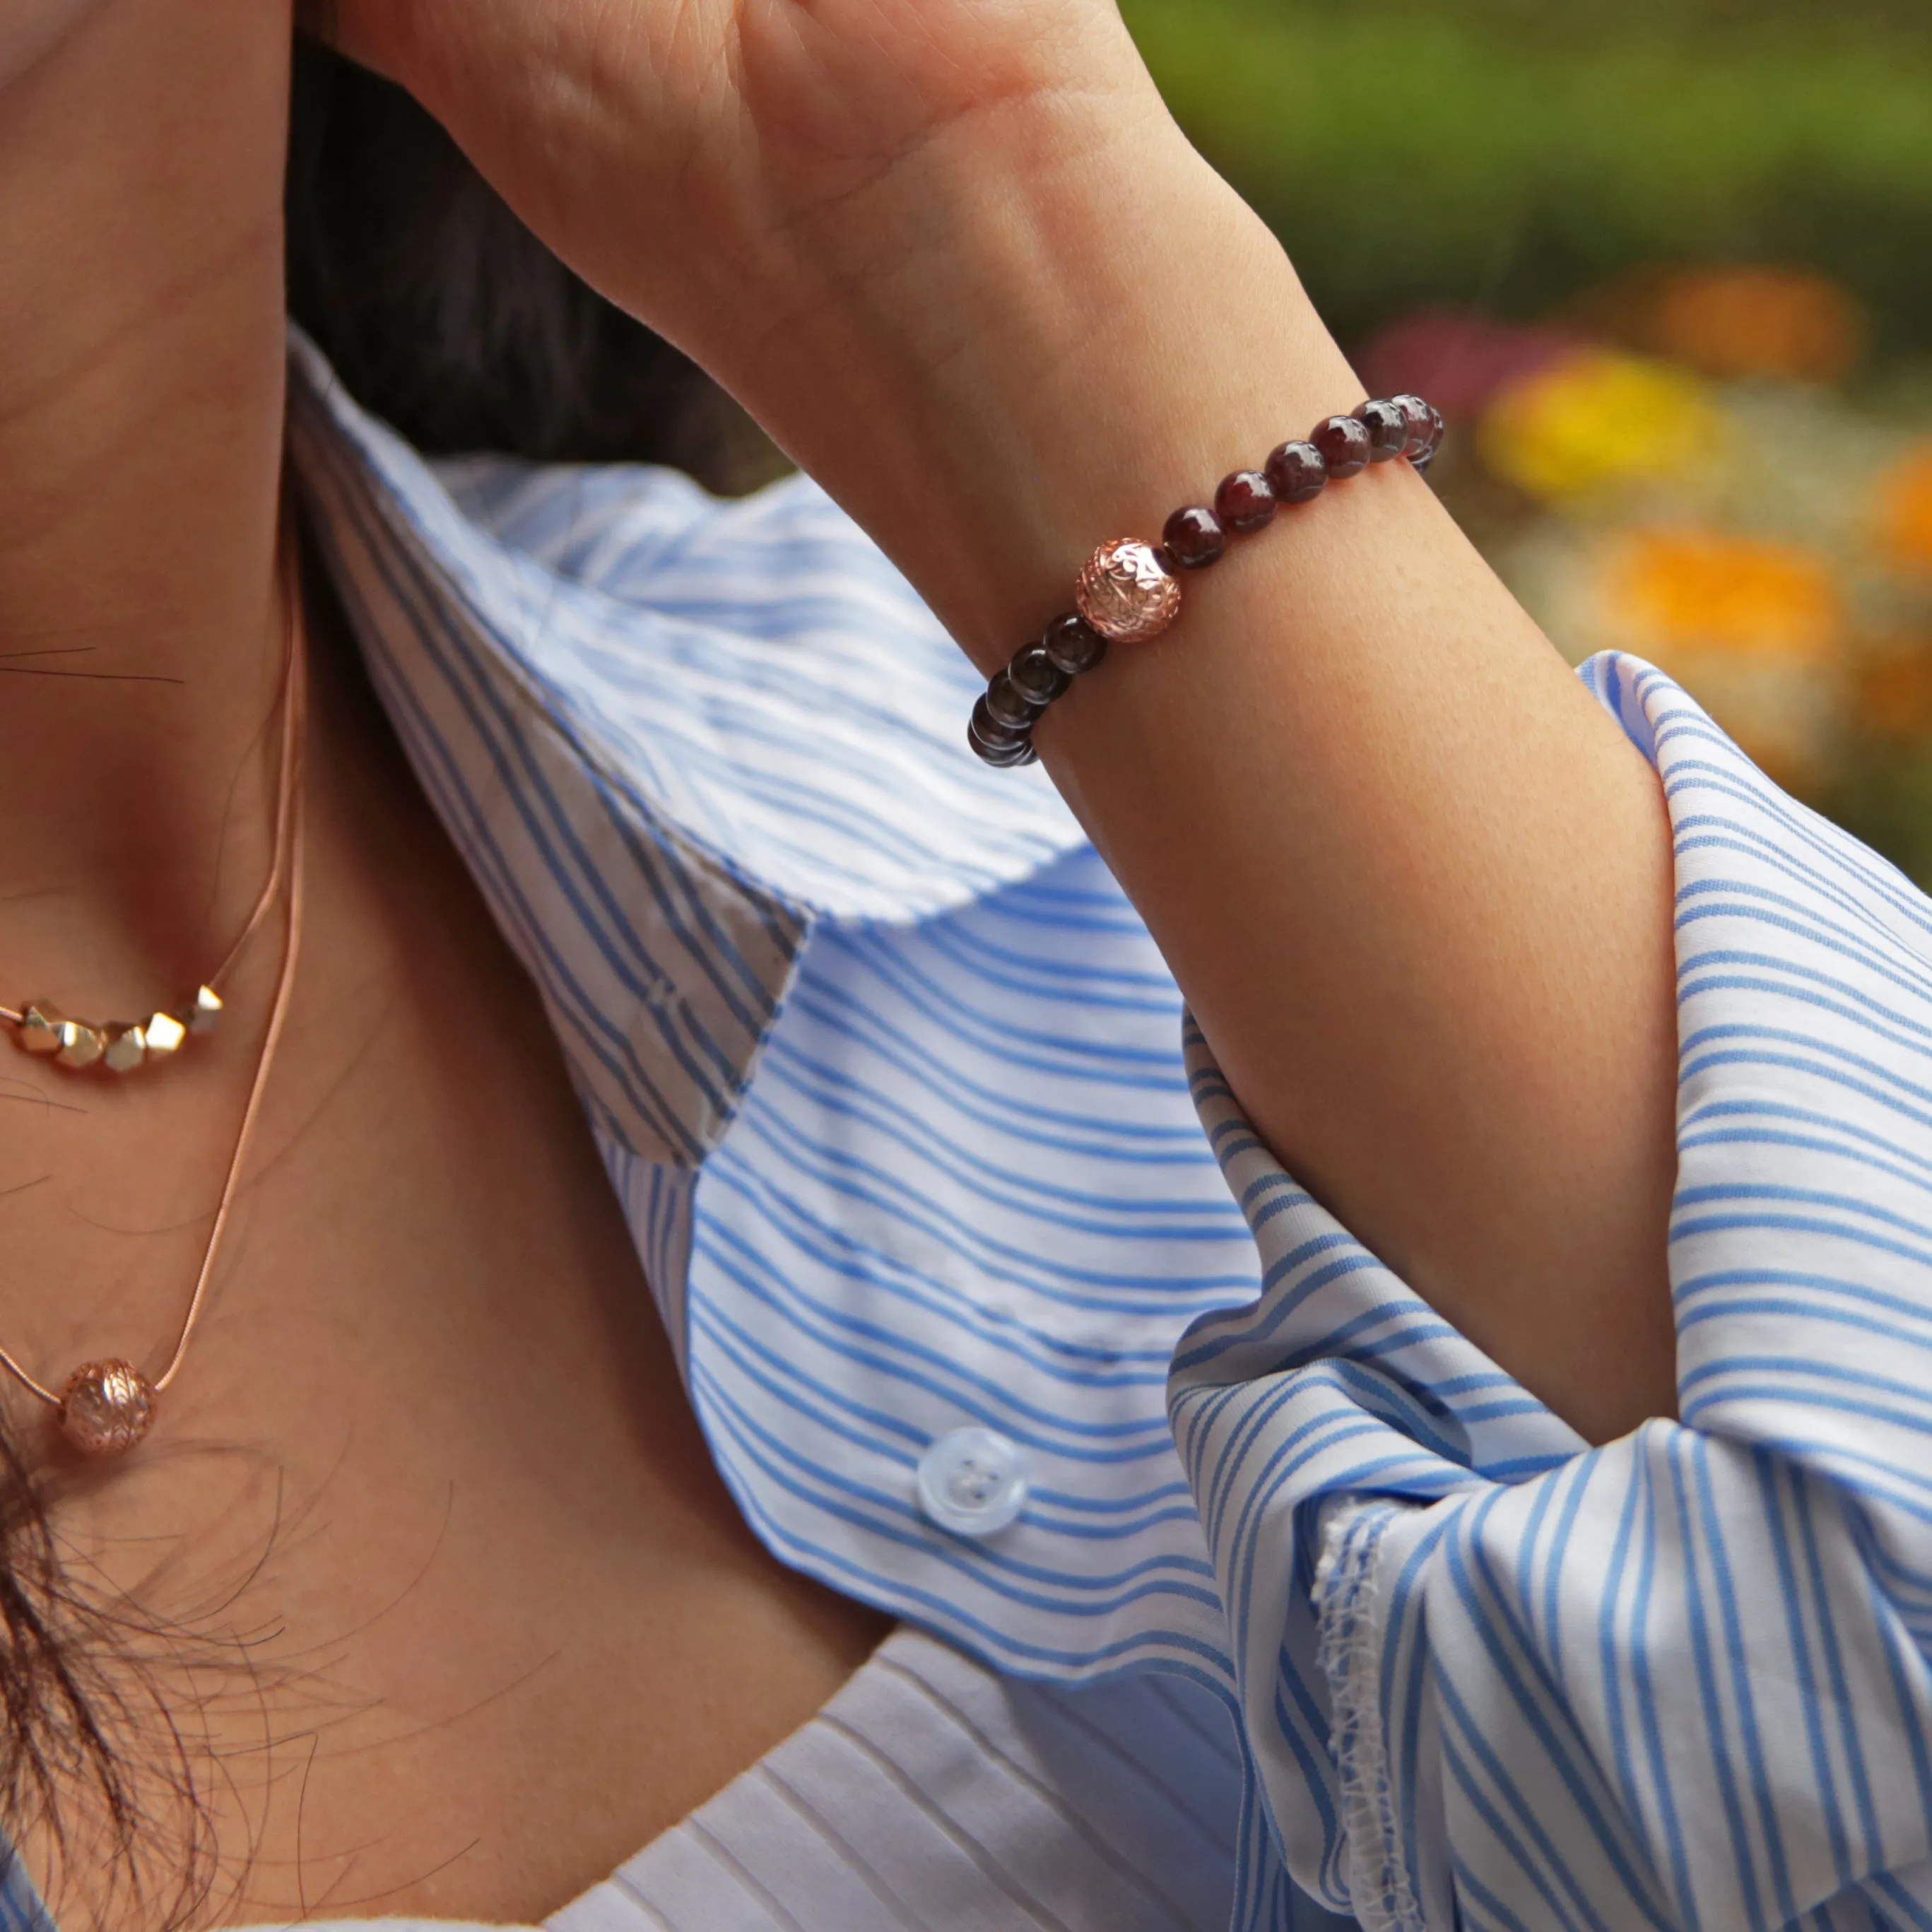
<point>1672,590</point>
<point>1905,511</point>
<point>1595,417</point>
<point>1741,321</point>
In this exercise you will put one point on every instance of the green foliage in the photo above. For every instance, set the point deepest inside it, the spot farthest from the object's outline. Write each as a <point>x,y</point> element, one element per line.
<point>1884,796</point>
<point>1506,153</point>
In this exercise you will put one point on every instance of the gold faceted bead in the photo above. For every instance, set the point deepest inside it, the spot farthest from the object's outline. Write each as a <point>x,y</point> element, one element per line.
<point>207,1010</point>
<point>105,1408</point>
<point>1127,593</point>
<point>127,1048</point>
<point>40,1029</point>
<point>80,1044</point>
<point>164,1034</point>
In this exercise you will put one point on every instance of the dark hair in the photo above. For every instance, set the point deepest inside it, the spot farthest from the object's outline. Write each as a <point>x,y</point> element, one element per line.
<point>444,315</point>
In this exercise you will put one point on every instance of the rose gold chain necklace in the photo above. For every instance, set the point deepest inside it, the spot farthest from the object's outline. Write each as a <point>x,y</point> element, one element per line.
<point>107,1406</point>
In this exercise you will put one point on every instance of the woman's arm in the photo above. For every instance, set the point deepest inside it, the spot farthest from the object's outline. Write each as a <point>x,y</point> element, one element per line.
<point>1415,885</point>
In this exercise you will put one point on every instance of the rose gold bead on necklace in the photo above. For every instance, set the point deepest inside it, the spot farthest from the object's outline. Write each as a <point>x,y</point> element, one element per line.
<point>1127,593</point>
<point>105,1408</point>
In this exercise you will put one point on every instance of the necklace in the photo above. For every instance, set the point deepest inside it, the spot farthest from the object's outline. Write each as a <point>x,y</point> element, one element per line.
<point>107,1406</point>
<point>119,1046</point>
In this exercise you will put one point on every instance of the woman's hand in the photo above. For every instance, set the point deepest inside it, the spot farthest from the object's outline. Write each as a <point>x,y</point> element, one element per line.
<point>918,239</point>
<point>724,169</point>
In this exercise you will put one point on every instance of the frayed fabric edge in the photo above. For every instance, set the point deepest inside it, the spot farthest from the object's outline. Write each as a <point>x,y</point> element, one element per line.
<point>1349,1655</point>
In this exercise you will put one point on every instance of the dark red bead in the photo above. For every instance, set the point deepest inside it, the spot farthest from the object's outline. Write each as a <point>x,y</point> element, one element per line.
<point>1296,472</point>
<point>1345,445</point>
<point>1244,502</point>
<point>1036,677</point>
<point>1419,414</point>
<point>1193,537</point>
<point>1387,426</point>
<point>1073,643</point>
<point>1006,705</point>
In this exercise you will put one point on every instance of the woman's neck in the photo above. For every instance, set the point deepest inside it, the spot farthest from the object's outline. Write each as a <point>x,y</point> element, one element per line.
<point>141,376</point>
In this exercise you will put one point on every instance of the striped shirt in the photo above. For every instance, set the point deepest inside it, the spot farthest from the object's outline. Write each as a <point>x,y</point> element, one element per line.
<point>895,1090</point>
<point>930,1796</point>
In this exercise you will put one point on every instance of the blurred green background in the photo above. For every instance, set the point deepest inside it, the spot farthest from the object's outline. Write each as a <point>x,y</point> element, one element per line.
<point>1511,152</point>
<point>1668,265</point>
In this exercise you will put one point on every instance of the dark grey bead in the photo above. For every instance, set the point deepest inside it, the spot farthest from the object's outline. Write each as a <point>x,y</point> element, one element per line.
<point>1387,426</point>
<point>1436,426</point>
<point>1007,705</point>
<point>1073,644</point>
<point>990,728</point>
<point>995,744</point>
<point>1036,677</point>
<point>1419,414</point>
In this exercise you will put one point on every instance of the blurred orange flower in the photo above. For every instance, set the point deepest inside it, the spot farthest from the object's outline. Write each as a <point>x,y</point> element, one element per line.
<point>1905,511</point>
<point>1754,321</point>
<point>1674,589</point>
<point>1595,418</point>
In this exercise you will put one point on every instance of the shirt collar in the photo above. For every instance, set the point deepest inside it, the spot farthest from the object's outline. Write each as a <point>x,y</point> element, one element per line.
<point>625,706</point>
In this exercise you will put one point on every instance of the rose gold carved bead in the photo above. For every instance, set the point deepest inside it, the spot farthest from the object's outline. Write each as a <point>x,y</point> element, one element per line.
<point>1127,593</point>
<point>40,1029</point>
<point>105,1408</point>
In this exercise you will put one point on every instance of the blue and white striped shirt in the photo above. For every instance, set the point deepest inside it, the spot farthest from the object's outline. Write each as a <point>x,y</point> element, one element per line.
<point>892,1083</point>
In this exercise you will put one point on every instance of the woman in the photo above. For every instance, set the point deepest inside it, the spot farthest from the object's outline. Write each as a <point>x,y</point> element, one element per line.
<point>424,1597</point>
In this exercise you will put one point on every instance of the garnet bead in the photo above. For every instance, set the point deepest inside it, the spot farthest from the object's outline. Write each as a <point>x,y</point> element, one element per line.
<point>1387,426</point>
<point>1193,537</point>
<point>1036,677</point>
<point>1296,471</point>
<point>1244,502</point>
<point>1345,445</point>
<point>1073,643</point>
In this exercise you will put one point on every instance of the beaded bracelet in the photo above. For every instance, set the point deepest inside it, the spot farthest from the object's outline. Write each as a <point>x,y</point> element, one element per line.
<point>1127,591</point>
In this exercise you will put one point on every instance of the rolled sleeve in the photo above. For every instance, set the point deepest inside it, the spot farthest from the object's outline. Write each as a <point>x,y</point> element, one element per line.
<point>1492,1677</point>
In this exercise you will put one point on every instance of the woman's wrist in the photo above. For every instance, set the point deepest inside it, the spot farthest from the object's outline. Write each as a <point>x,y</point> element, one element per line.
<point>1091,328</point>
<point>956,257</point>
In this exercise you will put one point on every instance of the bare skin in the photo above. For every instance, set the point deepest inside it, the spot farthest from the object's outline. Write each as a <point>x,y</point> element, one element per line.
<point>955,255</point>
<point>476,1617</point>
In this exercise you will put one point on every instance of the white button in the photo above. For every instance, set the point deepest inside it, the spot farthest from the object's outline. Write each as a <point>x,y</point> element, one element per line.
<point>973,1481</point>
